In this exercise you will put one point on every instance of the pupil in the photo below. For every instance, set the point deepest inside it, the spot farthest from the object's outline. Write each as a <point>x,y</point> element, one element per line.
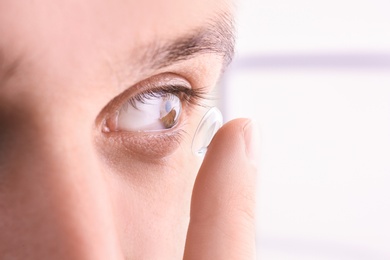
<point>170,111</point>
<point>169,119</point>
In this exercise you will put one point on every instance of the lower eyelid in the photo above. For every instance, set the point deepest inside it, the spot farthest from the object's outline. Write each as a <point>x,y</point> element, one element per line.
<point>146,145</point>
<point>149,144</point>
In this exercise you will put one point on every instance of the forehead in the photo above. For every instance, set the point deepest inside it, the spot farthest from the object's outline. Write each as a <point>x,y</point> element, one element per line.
<point>61,33</point>
<point>66,23</point>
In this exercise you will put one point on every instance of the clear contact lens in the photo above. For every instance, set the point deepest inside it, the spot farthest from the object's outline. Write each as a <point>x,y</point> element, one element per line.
<point>206,130</point>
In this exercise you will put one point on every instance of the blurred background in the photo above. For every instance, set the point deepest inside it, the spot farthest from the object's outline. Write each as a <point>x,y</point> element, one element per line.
<point>315,76</point>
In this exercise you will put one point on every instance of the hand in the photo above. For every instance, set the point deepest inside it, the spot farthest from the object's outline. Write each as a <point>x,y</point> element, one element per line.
<point>222,223</point>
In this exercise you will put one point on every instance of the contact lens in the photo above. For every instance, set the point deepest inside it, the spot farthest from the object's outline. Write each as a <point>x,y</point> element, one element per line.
<point>208,126</point>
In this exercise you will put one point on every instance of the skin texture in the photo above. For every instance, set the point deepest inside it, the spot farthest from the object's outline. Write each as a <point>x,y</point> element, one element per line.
<point>72,189</point>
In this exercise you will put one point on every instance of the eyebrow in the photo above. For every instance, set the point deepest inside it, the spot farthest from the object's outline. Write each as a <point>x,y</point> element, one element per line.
<point>215,37</point>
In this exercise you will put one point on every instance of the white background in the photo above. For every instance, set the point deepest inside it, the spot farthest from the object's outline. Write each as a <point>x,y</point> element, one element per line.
<point>315,76</point>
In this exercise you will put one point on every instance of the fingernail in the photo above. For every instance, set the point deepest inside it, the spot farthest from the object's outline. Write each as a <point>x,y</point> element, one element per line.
<point>251,137</point>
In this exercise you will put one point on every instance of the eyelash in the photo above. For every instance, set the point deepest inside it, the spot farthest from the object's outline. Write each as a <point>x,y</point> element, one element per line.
<point>192,97</point>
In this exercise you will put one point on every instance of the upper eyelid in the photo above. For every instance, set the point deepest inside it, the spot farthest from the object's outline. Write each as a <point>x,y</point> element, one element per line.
<point>189,94</point>
<point>176,85</point>
<point>152,82</point>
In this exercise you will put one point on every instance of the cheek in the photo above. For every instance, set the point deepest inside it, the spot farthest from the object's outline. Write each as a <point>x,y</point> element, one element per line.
<point>152,201</point>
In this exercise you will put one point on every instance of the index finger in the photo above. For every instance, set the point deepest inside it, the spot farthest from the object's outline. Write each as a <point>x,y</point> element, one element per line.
<point>222,223</point>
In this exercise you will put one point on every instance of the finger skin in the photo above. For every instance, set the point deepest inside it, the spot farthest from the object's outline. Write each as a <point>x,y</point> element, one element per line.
<point>222,224</point>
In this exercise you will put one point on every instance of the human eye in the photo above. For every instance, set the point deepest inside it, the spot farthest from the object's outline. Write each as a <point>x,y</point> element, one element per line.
<point>155,109</point>
<point>153,116</point>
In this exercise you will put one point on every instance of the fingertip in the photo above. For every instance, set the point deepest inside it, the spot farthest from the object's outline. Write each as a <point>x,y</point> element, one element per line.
<point>251,136</point>
<point>238,134</point>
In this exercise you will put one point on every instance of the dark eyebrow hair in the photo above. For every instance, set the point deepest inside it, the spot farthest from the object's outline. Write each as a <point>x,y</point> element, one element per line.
<point>215,37</point>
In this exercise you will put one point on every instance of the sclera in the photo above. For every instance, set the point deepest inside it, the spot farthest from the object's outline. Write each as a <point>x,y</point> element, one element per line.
<point>208,126</point>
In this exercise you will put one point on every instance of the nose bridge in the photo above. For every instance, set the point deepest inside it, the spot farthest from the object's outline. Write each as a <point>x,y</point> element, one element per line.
<point>56,196</point>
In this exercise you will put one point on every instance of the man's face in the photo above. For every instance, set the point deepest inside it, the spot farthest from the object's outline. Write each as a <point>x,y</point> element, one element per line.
<point>87,169</point>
